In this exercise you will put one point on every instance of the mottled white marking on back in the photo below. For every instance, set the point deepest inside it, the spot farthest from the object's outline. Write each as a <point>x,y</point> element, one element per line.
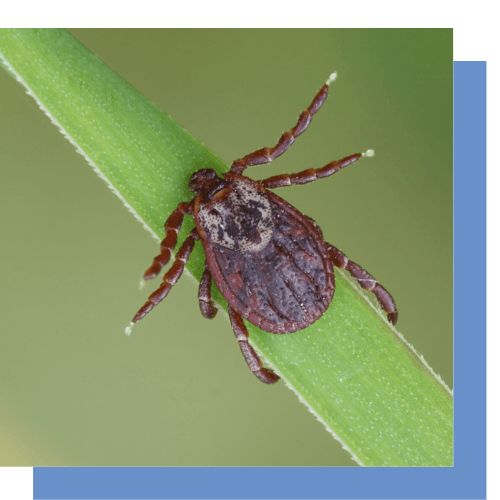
<point>241,221</point>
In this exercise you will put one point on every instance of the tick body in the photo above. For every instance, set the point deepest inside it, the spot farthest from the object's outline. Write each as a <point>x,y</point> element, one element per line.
<point>269,261</point>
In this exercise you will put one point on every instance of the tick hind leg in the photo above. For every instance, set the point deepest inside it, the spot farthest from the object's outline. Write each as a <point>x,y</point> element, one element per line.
<point>207,306</point>
<point>170,278</point>
<point>367,282</point>
<point>267,155</point>
<point>254,363</point>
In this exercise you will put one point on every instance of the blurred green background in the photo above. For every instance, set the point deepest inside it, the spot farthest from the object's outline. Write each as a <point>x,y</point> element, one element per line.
<point>74,390</point>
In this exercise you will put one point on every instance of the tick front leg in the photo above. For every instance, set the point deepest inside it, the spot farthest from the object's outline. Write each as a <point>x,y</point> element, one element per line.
<point>267,155</point>
<point>170,278</point>
<point>172,227</point>
<point>312,174</point>
<point>253,361</point>
<point>207,306</point>
<point>367,282</point>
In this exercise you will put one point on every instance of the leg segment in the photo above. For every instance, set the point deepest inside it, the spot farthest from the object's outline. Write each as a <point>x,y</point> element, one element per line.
<point>253,361</point>
<point>205,295</point>
<point>312,174</point>
<point>367,282</point>
<point>171,277</point>
<point>172,226</point>
<point>266,155</point>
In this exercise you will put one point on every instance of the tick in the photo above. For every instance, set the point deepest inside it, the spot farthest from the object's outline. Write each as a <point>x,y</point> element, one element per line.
<point>269,261</point>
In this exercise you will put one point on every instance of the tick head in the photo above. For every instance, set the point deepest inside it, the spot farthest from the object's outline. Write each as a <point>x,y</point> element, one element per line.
<point>205,182</point>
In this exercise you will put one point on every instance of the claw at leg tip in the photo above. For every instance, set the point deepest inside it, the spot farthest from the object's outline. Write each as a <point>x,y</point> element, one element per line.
<point>128,330</point>
<point>332,78</point>
<point>368,152</point>
<point>141,284</point>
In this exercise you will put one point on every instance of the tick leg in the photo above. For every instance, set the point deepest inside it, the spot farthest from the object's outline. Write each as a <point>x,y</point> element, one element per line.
<point>367,282</point>
<point>267,155</point>
<point>205,295</point>
<point>171,277</point>
<point>253,361</point>
<point>312,174</point>
<point>172,227</point>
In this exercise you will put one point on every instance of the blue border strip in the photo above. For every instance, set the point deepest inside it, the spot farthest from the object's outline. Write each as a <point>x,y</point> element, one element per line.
<point>467,479</point>
<point>469,272</point>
